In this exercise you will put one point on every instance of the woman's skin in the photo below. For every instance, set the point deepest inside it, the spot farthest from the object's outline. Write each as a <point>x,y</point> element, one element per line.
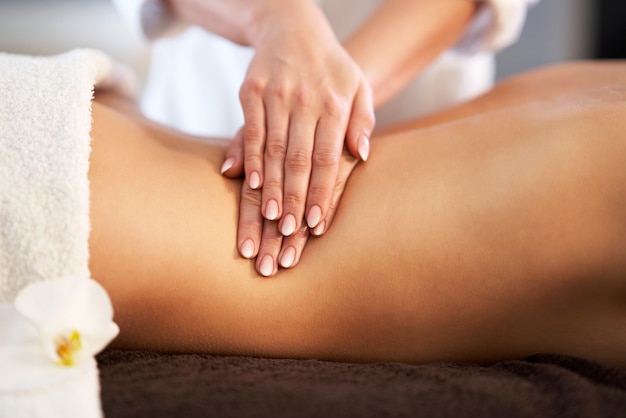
<point>496,231</point>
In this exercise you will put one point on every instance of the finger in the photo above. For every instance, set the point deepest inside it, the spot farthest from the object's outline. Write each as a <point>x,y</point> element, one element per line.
<point>297,170</point>
<point>346,167</point>
<point>266,264</point>
<point>275,149</point>
<point>329,139</point>
<point>233,158</point>
<point>254,130</point>
<point>292,247</point>
<point>250,224</point>
<point>361,123</point>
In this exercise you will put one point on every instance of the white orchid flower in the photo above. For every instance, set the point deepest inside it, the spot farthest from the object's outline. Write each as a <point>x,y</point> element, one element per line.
<point>73,317</point>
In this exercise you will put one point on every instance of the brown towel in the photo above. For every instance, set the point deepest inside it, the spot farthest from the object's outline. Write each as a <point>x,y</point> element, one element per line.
<point>144,384</point>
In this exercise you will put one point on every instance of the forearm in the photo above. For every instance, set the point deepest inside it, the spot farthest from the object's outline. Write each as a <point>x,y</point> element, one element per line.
<point>241,21</point>
<point>402,37</point>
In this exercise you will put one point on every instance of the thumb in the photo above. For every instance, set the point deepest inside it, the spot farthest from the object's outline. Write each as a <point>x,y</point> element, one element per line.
<point>233,159</point>
<point>361,123</point>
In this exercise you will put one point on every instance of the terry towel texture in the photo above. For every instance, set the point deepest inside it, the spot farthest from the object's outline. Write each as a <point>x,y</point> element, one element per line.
<point>45,121</point>
<point>138,384</point>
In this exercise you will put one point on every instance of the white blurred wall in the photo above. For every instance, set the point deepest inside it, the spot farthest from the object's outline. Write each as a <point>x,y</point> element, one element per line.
<point>556,30</point>
<point>43,27</point>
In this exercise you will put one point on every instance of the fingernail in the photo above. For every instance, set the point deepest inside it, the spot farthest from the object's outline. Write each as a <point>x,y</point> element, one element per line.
<point>254,181</point>
<point>319,230</point>
<point>288,257</point>
<point>315,214</point>
<point>364,147</point>
<point>227,165</point>
<point>289,225</point>
<point>247,248</point>
<point>267,266</point>
<point>271,210</point>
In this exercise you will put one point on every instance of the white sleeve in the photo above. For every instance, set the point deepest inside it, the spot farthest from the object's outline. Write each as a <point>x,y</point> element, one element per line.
<point>148,19</point>
<point>496,25</point>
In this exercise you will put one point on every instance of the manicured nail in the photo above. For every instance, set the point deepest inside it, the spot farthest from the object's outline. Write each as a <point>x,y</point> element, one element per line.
<point>315,214</point>
<point>288,257</point>
<point>363,146</point>
<point>271,210</point>
<point>267,266</point>
<point>254,181</point>
<point>247,248</point>
<point>289,225</point>
<point>227,165</point>
<point>319,230</point>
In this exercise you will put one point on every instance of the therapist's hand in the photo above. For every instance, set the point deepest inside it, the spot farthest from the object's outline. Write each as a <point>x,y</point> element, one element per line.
<point>303,98</point>
<point>261,239</point>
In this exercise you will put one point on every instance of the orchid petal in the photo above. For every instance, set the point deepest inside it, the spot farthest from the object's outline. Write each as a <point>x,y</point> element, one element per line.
<point>73,316</point>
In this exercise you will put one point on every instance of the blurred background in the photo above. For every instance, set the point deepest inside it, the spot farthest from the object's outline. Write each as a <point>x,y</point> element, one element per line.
<point>556,30</point>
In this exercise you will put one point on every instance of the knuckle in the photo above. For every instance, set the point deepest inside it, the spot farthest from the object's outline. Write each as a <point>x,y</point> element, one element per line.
<point>249,230</point>
<point>334,202</point>
<point>275,149</point>
<point>279,90</point>
<point>298,161</point>
<point>252,133</point>
<point>334,105</point>
<point>303,97</point>
<point>371,121</point>
<point>251,87</point>
<point>326,157</point>
<point>318,191</point>
<point>333,206</point>
<point>301,235</point>
<point>338,189</point>
<point>299,238</point>
<point>368,119</point>
<point>250,197</point>
<point>272,184</point>
<point>293,199</point>
<point>272,240</point>
<point>252,161</point>
<point>340,185</point>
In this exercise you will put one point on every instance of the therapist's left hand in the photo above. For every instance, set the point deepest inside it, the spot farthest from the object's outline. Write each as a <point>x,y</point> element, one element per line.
<point>303,99</point>
<point>261,239</point>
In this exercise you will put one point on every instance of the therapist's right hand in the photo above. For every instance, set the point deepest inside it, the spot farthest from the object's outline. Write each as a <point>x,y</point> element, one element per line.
<point>303,99</point>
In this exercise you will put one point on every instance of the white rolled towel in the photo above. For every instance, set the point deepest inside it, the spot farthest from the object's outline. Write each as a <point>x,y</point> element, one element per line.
<point>45,123</point>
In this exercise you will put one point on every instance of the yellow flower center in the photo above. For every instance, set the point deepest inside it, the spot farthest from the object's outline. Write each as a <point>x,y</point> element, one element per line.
<point>66,347</point>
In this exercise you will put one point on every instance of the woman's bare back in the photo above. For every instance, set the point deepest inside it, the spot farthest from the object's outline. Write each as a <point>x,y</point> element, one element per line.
<point>493,232</point>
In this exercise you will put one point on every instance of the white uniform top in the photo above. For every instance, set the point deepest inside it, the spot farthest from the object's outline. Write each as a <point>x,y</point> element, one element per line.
<point>195,76</point>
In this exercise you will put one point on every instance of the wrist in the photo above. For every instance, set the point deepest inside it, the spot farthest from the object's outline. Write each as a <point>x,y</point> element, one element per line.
<point>227,18</point>
<point>284,16</point>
